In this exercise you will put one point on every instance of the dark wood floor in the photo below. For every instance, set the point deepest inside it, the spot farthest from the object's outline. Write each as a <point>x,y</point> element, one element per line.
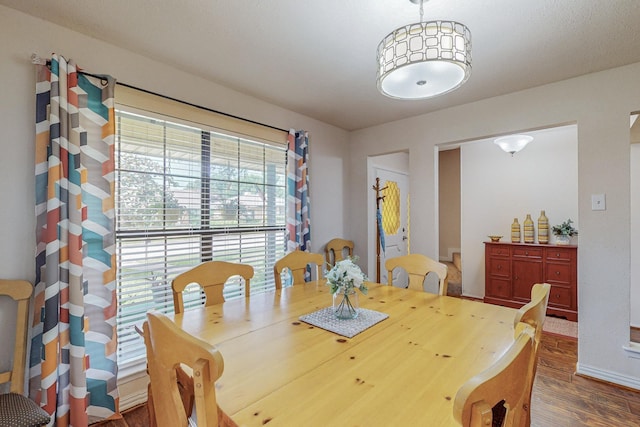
<point>560,397</point>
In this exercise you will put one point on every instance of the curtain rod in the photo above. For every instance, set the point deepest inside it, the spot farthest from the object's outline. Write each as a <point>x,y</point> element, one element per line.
<point>35,59</point>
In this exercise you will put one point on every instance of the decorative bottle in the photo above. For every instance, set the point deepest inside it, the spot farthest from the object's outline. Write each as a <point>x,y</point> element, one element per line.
<point>515,231</point>
<point>529,232</point>
<point>543,228</point>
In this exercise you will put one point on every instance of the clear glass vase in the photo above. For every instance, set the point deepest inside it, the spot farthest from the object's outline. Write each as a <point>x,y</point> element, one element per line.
<point>345,304</point>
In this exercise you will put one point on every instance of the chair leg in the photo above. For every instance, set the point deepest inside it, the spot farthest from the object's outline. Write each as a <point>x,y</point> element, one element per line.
<point>150,408</point>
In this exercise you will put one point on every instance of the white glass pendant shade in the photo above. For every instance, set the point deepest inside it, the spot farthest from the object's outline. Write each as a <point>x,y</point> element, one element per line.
<point>424,60</point>
<point>513,143</point>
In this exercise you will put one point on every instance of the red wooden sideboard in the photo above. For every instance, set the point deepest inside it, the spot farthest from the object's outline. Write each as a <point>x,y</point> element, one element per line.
<point>511,269</point>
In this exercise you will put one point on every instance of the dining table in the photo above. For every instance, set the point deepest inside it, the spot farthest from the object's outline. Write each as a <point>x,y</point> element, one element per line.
<point>404,370</point>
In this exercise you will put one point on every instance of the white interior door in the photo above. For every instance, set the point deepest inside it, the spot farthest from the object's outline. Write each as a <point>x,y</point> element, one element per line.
<point>395,215</point>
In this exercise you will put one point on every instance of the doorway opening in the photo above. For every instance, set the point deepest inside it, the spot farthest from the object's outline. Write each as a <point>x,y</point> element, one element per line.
<point>449,217</point>
<point>391,172</point>
<point>496,187</point>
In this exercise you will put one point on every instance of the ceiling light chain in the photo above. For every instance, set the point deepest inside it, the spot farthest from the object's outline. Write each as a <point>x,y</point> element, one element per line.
<point>425,59</point>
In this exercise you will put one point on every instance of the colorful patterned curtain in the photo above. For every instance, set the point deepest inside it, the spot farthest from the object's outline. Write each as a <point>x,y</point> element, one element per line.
<point>298,210</point>
<point>73,353</point>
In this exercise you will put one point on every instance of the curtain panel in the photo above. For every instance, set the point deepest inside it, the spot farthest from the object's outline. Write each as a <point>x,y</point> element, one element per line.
<point>73,351</point>
<point>298,202</point>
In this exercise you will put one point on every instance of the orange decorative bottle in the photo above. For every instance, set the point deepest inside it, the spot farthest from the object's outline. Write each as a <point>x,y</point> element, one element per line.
<point>543,228</point>
<point>515,231</point>
<point>529,231</point>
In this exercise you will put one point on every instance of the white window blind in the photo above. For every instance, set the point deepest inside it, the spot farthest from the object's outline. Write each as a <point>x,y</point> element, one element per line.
<point>187,193</point>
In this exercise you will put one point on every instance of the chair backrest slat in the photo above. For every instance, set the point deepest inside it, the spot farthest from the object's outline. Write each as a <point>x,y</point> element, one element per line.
<point>211,276</point>
<point>334,250</point>
<point>418,266</point>
<point>534,313</point>
<point>297,262</point>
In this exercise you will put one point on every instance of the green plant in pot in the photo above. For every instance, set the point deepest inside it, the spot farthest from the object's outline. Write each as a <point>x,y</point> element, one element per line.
<point>564,232</point>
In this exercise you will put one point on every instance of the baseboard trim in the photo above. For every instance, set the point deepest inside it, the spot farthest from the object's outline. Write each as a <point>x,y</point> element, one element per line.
<point>132,400</point>
<point>449,256</point>
<point>472,297</point>
<point>132,387</point>
<point>608,376</point>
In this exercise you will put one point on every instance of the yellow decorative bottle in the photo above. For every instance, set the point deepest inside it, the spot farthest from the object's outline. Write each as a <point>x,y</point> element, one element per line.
<point>515,231</point>
<point>529,231</point>
<point>543,228</point>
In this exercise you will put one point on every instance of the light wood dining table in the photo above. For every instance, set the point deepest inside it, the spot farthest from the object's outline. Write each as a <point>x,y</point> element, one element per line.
<point>403,371</point>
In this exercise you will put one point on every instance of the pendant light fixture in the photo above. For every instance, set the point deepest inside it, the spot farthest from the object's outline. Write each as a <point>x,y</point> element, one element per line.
<point>424,59</point>
<point>513,143</point>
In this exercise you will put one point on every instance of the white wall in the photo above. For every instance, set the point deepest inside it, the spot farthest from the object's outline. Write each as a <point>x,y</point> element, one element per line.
<point>635,235</point>
<point>23,35</point>
<point>496,188</point>
<point>599,104</point>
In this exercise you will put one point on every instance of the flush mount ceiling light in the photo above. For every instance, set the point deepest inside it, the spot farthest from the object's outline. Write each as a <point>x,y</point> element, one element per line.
<point>513,143</point>
<point>424,59</point>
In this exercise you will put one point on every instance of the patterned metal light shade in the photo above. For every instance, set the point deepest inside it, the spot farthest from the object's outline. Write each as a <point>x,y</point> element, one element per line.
<point>424,60</point>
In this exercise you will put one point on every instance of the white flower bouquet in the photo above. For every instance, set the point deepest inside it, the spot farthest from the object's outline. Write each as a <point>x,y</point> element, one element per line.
<point>346,276</point>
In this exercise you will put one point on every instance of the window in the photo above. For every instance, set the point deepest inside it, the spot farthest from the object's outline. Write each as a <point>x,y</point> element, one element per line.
<point>188,193</point>
<point>391,208</point>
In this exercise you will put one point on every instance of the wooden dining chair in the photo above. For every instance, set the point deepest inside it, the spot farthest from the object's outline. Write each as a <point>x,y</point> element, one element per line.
<point>418,266</point>
<point>16,409</point>
<point>211,276</point>
<point>297,262</point>
<point>533,314</point>
<point>334,250</point>
<point>496,396</point>
<point>168,347</point>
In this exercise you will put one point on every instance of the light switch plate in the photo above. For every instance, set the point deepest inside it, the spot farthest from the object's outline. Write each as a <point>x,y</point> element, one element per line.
<point>598,202</point>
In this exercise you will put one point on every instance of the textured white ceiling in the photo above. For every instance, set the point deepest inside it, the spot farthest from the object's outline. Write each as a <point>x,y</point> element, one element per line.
<point>318,57</point>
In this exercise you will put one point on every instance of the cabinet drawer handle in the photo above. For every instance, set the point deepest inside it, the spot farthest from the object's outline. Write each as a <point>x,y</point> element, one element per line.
<point>558,296</point>
<point>557,255</point>
<point>557,273</point>
<point>526,252</point>
<point>499,267</point>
